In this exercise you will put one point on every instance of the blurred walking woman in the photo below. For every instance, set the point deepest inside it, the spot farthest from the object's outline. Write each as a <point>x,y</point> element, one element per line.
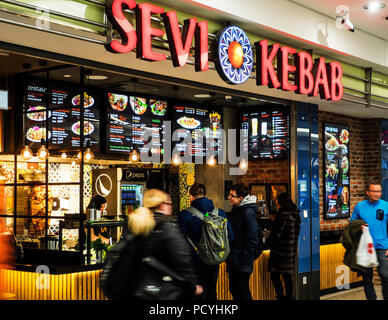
<point>159,236</point>
<point>284,243</point>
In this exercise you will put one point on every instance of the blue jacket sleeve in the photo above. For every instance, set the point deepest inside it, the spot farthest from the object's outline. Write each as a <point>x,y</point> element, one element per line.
<point>183,222</point>
<point>230,229</point>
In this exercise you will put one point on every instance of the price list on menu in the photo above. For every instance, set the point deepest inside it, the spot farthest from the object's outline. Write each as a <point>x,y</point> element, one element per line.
<point>266,133</point>
<point>66,124</point>
<point>197,131</point>
<point>336,166</point>
<point>135,122</point>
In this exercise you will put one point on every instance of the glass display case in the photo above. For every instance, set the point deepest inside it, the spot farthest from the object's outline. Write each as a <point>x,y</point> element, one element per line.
<point>100,235</point>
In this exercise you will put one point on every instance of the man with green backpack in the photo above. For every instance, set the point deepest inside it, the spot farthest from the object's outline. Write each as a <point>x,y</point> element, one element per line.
<point>209,233</point>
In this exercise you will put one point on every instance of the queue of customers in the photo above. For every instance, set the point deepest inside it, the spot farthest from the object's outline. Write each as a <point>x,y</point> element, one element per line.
<point>175,242</point>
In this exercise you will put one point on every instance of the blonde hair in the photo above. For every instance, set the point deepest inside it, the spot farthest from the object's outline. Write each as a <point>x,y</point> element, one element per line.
<point>141,221</point>
<point>155,197</point>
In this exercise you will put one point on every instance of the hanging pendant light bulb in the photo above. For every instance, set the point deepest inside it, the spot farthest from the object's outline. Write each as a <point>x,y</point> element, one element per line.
<point>212,161</point>
<point>43,153</point>
<point>88,155</point>
<point>134,156</point>
<point>243,165</point>
<point>176,160</point>
<point>26,153</point>
<point>63,155</point>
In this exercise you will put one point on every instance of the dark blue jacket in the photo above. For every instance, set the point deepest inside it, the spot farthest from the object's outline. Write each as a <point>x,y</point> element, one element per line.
<point>245,227</point>
<point>191,226</point>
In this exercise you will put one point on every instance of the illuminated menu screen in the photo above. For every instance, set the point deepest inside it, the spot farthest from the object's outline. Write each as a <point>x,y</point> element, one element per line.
<point>63,116</point>
<point>135,122</point>
<point>195,130</point>
<point>336,171</point>
<point>266,133</point>
<point>385,136</point>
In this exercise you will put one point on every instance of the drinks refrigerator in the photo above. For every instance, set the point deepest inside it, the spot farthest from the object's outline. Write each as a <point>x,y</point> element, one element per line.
<point>122,188</point>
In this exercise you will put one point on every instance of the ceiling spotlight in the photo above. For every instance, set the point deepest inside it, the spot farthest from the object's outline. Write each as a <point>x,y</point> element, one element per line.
<point>97,77</point>
<point>202,95</point>
<point>374,6</point>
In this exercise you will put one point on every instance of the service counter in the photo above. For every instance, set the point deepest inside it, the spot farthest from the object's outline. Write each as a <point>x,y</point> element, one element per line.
<point>84,284</point>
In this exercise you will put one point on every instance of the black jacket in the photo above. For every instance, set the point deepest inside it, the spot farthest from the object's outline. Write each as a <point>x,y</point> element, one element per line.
<point>245,229</point>
<point>350,239</point>
<point>167,244</point>
<point>284,241</point>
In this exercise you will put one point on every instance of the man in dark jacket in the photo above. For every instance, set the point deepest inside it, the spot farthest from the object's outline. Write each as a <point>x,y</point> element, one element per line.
<point>242,251</point>
<point>191,226</point>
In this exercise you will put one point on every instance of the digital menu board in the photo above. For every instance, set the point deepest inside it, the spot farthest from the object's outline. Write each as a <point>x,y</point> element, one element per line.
<point>385,136</point>
<point>135,122</point>
<point>63,116</point>
<point>197,130</point>
<point>266,132</point>
<point>336,171</point>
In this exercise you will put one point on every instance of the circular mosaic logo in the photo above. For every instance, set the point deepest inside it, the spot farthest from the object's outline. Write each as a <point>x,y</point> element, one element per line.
<point>235,55</point>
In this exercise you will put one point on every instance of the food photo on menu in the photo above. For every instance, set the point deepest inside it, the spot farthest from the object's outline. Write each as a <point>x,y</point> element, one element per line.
<point>337,182</point>
<point>132,119</point>
<point>63,118</point>
<point>192,123</point>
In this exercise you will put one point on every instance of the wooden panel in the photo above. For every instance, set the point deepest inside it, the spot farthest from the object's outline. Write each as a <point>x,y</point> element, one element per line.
<point>332,267</point>
<point>259,283</point>
<point>86,285</point>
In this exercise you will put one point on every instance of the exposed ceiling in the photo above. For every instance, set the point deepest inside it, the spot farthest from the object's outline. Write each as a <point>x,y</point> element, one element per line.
<point>374,23</point>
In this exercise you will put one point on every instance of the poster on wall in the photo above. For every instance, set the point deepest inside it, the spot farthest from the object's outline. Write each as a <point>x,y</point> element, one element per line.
<point>336,171</point>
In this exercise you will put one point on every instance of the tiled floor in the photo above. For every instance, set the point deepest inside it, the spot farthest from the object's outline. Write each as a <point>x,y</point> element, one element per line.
<point>351,294</point>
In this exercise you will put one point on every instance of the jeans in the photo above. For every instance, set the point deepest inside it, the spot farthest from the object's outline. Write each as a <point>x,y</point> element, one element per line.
<point>382,270</point>
<point>208,279</point>
<point>239,285</point>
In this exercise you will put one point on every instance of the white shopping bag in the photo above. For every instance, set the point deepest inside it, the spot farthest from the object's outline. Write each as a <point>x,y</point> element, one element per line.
<point>366,254</point>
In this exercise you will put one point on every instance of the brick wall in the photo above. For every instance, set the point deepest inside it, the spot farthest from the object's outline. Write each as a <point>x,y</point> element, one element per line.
<point>266,171</point>
<point>364,160</point>
<point>364,154</point>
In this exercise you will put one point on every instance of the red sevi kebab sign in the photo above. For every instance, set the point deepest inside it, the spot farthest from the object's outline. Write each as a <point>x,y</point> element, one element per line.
<point>234,59</point>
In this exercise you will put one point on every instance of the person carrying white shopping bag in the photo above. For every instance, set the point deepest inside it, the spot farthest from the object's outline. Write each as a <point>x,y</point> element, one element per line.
<point>366,253</point>
<point>374,212</point>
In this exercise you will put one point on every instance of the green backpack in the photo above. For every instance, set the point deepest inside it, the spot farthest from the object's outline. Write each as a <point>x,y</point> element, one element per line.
<point>213,246</point>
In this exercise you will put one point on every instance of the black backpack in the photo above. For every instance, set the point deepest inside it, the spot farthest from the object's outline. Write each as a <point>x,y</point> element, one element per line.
<point>118,269</point>
<point>129,273</point>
